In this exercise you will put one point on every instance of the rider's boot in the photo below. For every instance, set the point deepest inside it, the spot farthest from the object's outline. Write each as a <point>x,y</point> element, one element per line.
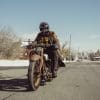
<point>43,81</point>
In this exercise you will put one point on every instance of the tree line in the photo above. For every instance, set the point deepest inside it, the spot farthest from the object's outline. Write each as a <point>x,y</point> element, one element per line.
<point>10,47</point>
<point>9,43</point>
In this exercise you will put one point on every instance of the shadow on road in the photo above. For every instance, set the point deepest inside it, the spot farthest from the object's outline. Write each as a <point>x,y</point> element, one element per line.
<point>14,85</point>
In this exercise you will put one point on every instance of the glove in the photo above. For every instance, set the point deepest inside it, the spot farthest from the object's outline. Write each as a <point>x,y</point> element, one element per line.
<point>29,47</point>
<point>54,46</point>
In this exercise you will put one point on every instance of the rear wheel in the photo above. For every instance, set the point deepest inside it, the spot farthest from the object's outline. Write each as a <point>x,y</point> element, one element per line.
<point>34,75</point>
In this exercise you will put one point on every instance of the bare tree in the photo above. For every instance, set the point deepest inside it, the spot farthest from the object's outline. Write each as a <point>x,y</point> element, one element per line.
<point>9,43</point>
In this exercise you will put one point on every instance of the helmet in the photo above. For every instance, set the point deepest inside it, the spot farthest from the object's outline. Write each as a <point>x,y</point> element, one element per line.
<point>44,27</point>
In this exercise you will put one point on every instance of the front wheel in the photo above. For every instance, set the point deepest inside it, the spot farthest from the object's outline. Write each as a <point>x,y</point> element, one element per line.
<point>34,76</point>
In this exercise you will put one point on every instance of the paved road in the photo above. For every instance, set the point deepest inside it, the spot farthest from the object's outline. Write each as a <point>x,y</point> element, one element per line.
<point>78,81</point>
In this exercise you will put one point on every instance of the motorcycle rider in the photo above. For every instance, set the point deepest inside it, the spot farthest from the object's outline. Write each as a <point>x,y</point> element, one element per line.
<point>46,36</point>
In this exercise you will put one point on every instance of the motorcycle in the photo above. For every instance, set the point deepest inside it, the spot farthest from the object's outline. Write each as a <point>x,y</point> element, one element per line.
<point>39,66</point>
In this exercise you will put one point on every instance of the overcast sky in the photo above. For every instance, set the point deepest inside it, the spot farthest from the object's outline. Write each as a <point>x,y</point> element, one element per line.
<point>80,18</point>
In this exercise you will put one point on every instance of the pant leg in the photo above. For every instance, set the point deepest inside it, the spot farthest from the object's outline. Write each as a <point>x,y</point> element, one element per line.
<point>54,59</point>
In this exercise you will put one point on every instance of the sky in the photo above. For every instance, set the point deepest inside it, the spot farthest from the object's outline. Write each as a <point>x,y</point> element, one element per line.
<point>80,18</point>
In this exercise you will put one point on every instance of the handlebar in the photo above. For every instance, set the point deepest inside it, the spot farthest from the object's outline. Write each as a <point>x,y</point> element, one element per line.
<point>30,46</point>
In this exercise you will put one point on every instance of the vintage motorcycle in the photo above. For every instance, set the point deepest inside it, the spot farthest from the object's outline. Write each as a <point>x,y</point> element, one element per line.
<point>39,66</point>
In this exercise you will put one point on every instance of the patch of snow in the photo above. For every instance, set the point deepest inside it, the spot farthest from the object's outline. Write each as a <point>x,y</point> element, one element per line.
<point>12,63</point>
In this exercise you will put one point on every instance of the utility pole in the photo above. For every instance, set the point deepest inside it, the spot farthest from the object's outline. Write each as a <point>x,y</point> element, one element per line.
<point>70,48</point>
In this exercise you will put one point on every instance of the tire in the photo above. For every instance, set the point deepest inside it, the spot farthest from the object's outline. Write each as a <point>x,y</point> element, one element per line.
<point>34,77</point>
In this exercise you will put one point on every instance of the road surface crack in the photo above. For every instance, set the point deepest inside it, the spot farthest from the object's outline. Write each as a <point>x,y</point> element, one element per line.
<point>5,98</point>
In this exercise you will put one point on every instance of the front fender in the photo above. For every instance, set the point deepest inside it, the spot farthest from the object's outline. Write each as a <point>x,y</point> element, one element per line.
<point>34,57</point>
